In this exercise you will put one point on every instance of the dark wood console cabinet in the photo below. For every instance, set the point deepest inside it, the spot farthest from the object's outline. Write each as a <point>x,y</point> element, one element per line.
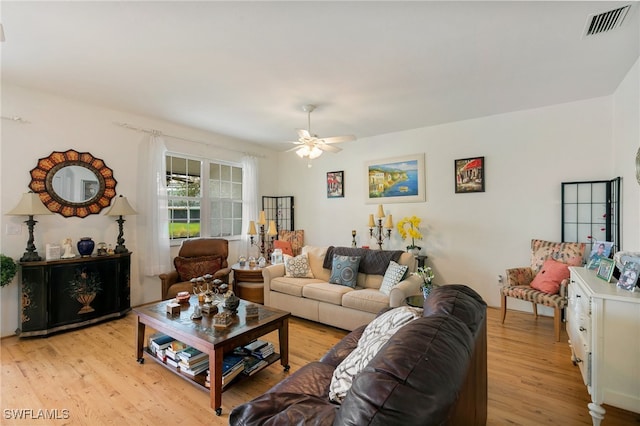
<point>69,293</point>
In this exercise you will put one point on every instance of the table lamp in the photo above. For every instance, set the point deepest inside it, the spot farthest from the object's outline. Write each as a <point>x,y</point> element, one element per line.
<point>120,207</point>
<point>30,205</point>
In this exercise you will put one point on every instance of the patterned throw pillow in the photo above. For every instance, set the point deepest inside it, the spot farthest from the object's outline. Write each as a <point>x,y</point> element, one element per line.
<point>297,267</point>
<point>344,270</point>
<point>194,267</point>
<point>374,337</point>
<point>569,253</point>
<point>394,274</point>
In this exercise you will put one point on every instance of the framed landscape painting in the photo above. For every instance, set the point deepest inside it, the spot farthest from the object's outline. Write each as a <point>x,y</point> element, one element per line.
<point>335,184</point>
<point>396,180</point>
<point>469,175</point>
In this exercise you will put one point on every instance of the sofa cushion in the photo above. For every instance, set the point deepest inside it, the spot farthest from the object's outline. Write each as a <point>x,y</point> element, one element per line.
<point>344,270</point>
<point>325,292</point>
<point>430,359</point>
<point>316,257</point>
<point>457,300</point>
<point>194,267</point>
<point>297,267</point>
<point>372,261</point>
<point>366,299</point>
<point>550,277</point>
<point>285,408</point>
<point>375,335</point>
<point>394,274</point>
<point>292,286</point>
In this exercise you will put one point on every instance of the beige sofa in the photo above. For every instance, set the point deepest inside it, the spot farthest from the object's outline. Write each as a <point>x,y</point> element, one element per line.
<point>332,304</point>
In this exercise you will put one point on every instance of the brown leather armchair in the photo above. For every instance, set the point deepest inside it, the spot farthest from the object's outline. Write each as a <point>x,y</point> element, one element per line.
<point>197,257</point>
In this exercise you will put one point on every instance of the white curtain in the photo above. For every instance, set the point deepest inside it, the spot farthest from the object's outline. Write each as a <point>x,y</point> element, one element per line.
<point>153,217</point>
<point>250,206</point>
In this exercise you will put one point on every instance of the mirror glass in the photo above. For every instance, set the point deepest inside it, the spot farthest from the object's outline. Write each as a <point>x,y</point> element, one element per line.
<point>76,184</point>
<point>73,183</point>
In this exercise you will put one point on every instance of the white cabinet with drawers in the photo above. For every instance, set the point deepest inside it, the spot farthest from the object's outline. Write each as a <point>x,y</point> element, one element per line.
<point>603,324</point>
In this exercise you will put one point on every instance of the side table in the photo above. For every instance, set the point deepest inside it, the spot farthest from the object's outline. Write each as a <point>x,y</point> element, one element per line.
<point>248,283</point>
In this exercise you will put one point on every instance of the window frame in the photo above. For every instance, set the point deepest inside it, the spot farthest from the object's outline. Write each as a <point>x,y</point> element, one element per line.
<point>205,198</point>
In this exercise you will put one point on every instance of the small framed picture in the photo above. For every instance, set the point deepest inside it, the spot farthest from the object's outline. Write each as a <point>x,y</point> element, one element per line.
<point>335,184</point>
<point>605,269</point>
<point>469,175</point>
<point>629,276</point>
<point>601,249</point>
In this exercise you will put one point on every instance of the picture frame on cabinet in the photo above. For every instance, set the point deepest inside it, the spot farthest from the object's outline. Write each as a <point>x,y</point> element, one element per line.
<point>629,276</point>
<point>605,269</point>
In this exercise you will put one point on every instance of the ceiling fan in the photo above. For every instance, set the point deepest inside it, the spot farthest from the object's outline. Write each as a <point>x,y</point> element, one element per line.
<point>311,146</point>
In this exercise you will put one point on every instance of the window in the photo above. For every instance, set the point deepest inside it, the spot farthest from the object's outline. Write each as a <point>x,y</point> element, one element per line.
<point>205,198</point>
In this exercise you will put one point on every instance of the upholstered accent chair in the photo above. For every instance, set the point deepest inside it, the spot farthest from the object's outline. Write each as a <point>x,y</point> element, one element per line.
<point>197,257</point>
<point>520,280</point>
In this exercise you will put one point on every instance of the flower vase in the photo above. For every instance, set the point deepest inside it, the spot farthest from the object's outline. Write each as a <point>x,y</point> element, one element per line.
<point>426,291</point>
<point>86,300</point>
<point>415,251</point>
<point>85,246</point>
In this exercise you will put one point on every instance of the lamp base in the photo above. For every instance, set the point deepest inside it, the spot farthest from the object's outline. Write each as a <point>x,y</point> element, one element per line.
<point>30,256</point>
<point>121,249</point>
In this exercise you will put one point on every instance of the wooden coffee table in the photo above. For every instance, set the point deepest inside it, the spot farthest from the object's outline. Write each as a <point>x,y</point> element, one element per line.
<point>202,335</point>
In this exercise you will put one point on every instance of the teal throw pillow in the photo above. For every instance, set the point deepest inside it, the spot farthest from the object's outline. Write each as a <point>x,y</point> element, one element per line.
<point>394,274</point>
<point>344,270</point>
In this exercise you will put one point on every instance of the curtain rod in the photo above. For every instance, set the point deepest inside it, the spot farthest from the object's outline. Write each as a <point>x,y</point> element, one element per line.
<point>159,133</point>
<point>17,119</point>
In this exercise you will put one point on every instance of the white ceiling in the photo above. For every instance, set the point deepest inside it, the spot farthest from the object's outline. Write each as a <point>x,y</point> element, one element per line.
<point>245,69</point>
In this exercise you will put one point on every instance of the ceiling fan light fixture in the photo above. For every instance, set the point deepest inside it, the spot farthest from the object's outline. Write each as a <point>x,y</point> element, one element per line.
<point>303,151</point>
<point>315,153</point>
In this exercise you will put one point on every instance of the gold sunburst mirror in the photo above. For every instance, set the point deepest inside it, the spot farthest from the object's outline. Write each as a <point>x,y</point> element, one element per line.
<point>73,183</point>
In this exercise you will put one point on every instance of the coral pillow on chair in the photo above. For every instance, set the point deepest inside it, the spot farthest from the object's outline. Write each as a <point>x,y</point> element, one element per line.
<point>550,276</point>
<point>285,246</point>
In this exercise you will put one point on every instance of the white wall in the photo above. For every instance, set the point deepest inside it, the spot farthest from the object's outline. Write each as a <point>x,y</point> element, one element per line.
<point>59,124</point>
<point>470,238</point>
<point>626,136</point>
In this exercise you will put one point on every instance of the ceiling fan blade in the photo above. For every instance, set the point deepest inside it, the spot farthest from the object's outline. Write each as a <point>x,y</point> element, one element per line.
<point>328,148</point>
<point>295,148</point>
<point>338,139</point>
<point>304,134</point>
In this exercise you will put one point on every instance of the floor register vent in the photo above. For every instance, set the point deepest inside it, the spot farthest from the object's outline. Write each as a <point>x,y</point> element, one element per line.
<point>605,21</point>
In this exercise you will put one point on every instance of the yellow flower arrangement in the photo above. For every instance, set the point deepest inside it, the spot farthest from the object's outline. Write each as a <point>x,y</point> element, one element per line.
<point>412,231</point>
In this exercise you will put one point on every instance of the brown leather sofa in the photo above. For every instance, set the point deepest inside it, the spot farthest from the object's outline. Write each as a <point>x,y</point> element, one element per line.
<point>197,256</point>
<point>433,371</point>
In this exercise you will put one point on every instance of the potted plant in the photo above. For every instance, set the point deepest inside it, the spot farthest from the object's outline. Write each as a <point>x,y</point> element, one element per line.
<point>8,270</point>
<point>427,275</point>
<point>412,231</point>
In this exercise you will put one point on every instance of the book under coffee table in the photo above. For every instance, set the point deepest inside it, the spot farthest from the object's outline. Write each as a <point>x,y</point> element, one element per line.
<point>207,338</point>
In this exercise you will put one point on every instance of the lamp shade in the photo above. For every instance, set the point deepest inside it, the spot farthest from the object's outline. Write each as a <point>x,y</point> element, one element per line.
<point>120,207</point>
<point>30,205</point>
<point>252,228</point>
<point>273,230</point>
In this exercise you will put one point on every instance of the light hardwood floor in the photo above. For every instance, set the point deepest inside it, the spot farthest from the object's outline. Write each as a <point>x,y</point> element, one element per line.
<point>91,377</point>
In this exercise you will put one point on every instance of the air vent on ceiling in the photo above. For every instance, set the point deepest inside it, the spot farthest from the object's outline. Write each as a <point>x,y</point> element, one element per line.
<point>606,21</point>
